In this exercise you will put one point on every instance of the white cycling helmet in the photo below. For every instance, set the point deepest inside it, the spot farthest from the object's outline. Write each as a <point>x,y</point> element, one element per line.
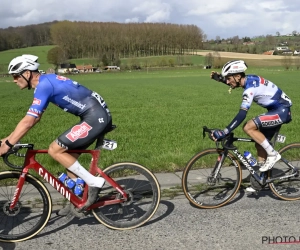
<point>234,67</point>
<point>22,63</point>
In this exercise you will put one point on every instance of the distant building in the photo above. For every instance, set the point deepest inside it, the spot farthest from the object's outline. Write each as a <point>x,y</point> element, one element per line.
<point>282,48</point>
<point>66,68</point>
<point>86,68</point>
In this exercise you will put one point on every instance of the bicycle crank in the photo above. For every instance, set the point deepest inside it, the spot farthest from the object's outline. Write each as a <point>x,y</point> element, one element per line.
<point>256,185</point>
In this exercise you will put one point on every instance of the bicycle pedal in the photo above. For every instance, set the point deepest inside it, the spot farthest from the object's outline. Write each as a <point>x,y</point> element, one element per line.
<point>79,212</point>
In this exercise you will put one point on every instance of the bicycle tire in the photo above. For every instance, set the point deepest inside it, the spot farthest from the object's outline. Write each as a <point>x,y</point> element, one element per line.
<point>32,212</point>
<point>144,197</point>
<point>199,187</point>
<point>287,189</point>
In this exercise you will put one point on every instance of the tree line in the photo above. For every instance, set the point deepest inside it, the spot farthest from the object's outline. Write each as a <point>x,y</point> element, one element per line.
<point>116,40</point>
<point>112,40</point>
<point>255,45</point>
<point>25,36</point>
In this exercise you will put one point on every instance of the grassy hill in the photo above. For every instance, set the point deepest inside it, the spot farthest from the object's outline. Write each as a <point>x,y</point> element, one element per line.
<point>41,51</point>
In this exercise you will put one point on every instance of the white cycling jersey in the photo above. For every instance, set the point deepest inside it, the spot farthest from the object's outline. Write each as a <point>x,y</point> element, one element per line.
<point>264,92</point>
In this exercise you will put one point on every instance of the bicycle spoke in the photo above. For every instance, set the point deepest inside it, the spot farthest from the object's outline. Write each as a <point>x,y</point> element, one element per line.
<point>143,192</point>
<point>31,212</point>
<point>205,188</point>
<point>287,188</point>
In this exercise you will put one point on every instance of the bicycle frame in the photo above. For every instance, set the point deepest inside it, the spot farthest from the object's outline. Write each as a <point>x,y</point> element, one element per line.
<point>30,163</point>
<point>260,179</point>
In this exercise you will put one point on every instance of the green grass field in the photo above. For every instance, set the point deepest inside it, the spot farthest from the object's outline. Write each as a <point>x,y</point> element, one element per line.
<point>159,114</point>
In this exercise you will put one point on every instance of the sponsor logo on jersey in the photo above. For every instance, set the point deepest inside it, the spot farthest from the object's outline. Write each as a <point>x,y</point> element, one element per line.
<point>79,131</point>
<point>73,102</point>
<point>62,78</point>
<point>261,80</point>
<point>270,120</point>
<point>36,101</point>
<point>245,98</point>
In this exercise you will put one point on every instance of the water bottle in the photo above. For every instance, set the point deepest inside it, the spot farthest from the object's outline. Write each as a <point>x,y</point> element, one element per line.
<point>78,190</point>
<point>65,179</point>
<point>250,158</point>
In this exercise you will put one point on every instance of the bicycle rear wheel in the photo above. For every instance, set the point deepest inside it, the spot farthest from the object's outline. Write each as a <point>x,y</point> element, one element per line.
<point>286,189</point>
<point>200,186</point>
<point>144,197</point>
<point>31,212</point>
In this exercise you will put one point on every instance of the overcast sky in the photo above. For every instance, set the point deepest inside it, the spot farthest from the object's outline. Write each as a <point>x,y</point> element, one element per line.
<point>224,18</point>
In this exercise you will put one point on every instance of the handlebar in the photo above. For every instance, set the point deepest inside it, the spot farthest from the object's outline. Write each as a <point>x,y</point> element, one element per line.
<point>226,142</point>
<point>14,151</point>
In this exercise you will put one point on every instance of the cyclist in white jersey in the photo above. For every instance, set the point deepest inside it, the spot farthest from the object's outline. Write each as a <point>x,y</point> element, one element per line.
<point>267,95</point>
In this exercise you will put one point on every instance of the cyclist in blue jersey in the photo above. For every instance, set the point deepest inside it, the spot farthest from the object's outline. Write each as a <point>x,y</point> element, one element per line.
<point>267,95</point>
<point>72,97</point>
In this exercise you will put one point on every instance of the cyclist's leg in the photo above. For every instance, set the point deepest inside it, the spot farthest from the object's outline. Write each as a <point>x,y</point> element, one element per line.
<point>268,124</point>
<point>251,129</point>
<point>81,136</point>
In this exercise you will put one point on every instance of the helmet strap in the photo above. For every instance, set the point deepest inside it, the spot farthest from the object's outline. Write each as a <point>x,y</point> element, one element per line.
<point>28,80</point>
<point>238,83</point>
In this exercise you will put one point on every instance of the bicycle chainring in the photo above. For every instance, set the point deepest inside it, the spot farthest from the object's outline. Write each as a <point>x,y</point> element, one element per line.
<point>255,184</point>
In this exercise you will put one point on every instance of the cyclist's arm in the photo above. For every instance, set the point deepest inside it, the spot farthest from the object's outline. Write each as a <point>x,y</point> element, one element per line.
<point>245,106</point>
<point>34,113</point>
<point>22,128</point>
<point>238,119</point>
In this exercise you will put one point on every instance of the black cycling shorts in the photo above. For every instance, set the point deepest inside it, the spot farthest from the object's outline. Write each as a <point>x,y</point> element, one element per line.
<point>93,123</point>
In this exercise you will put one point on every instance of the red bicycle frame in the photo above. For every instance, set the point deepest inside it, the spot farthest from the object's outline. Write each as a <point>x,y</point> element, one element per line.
<point>31,163</point>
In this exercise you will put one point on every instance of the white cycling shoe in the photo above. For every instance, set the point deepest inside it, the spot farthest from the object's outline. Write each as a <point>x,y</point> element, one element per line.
<point>250,190</point>
<point>270,162</point>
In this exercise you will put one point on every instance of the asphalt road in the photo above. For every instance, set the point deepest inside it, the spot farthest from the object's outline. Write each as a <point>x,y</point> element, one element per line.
<point>253,222</point>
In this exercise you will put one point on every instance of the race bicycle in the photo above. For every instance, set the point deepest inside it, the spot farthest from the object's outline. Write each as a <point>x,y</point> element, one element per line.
<point>129,198</point>
<point>213,176</point>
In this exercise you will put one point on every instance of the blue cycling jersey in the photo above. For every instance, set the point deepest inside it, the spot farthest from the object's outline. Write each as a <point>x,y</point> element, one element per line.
<point>67,94</point>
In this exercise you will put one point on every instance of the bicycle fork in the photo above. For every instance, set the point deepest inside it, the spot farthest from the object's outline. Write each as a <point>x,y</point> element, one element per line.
<point>17,192</point>
<point>212,179</point>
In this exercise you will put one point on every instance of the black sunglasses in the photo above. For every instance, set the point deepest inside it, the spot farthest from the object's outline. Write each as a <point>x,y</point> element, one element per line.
<point>15,75</point>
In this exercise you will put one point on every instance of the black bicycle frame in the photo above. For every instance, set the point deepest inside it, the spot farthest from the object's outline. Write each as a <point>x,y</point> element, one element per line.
<point>260,179</point>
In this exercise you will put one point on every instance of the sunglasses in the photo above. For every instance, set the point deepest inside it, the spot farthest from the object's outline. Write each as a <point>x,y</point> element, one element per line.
<point>17,75</point>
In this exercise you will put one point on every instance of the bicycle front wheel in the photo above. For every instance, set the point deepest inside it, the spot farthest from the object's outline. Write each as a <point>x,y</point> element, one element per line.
<point>32,211</point>
<point>144,197</point>
<point>287,188</point>
<point>204,186</point>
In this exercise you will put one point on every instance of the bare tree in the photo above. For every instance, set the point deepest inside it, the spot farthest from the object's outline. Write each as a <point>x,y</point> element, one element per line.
<point>286,61</point>
<point>270,40</point>
<point>209,59</point>
<point>297,62</point>
<point>56,56</point>
<point>217,60</point>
